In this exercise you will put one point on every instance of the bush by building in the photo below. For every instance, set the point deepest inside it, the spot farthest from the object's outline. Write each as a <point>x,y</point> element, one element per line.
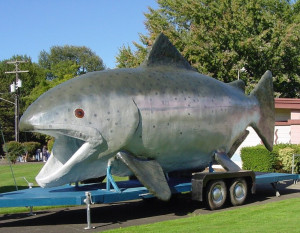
<point>258,158</point>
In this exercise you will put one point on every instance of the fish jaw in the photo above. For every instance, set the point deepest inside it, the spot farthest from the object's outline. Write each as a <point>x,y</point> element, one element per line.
<point>67,153</point>
<point>74,145</point>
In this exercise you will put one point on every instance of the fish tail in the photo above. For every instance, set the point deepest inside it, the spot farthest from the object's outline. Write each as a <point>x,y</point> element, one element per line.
<point>264,93</point>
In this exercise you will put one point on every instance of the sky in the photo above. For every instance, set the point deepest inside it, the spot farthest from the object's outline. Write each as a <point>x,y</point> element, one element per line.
<point>104,26</point>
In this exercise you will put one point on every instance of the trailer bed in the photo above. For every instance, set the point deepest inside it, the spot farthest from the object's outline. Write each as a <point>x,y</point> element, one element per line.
<point>75,195</point>
<point>268,178</point>
<point>130,190</point>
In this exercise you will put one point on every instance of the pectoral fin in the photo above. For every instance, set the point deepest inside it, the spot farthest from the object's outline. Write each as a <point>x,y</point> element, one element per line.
<point>226,162</point>
<point>149,173</point>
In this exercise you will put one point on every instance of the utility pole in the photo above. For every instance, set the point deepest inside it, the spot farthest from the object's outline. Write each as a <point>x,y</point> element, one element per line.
<point>14,87</point>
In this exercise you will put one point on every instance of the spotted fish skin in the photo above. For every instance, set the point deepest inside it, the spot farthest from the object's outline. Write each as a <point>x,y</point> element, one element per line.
<point>163,110</point>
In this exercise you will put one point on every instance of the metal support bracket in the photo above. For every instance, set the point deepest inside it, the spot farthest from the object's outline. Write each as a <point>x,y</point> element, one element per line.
<point>226,162</point>
<point>31,211</point>
<point>30,207</point>
<point>88,201</point>
<point>274,185</point>
<point>210,167</point>
<point>110,179</point>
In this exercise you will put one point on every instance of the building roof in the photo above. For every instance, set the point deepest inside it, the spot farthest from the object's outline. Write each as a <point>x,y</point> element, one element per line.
<point>287,103</point>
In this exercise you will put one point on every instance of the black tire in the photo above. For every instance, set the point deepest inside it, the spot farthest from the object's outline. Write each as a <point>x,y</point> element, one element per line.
<point>216,194</point>
<point>238,191</point>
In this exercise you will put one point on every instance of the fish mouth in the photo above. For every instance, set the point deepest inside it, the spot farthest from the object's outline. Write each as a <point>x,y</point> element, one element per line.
<point>70,148</point>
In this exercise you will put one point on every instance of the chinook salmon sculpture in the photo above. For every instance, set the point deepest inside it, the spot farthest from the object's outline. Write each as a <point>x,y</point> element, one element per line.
<point>148,121</point>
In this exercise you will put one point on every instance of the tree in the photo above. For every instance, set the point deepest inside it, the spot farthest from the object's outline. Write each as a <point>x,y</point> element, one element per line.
<point>63,61</point>
<point>7,108</point>
<point>29,81</point>
<point>62,64</point>
<point>220,37</point>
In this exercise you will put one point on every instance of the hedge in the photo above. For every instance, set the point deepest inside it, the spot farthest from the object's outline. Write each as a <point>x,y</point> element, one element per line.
<point>14,149</point>
<point>258,158</point>
<point>31,147</point>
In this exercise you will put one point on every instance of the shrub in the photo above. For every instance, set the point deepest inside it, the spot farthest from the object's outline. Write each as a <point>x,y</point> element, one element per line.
<point>258,159</point>
<point>31,147</point>
<point>13,150</point>
<point>50,144</point>
<point>285,156</point>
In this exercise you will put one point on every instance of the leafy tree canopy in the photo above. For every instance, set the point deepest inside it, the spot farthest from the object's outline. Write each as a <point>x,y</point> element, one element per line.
<point>218,38</point>
<point>63,61</point>
<point>61,64</point>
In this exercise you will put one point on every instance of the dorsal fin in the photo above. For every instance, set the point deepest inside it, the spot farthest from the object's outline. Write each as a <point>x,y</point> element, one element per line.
<point>238,84</point>
<point>163,52</point>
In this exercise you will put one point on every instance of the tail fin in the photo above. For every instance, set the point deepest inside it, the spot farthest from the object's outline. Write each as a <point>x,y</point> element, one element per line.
<point>263,92</point>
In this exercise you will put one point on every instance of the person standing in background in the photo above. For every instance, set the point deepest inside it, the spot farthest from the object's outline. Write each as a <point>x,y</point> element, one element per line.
<point>44,153</point>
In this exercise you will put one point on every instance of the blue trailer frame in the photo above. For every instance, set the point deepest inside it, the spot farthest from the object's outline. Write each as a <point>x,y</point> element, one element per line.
<point>75,195</point>
<point>128,190</point>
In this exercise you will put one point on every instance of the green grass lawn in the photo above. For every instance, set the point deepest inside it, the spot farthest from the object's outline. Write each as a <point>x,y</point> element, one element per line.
<point>27,170</point>
<point>281,216</point>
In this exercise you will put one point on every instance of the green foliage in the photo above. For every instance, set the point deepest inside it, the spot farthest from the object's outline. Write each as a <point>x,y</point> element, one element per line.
<point>220,37</point>
<point>50,144</point>
<point>31,147</point>
<point>62,64</point>
<point>129,59</point>
<point>13,150</point>
<point>70,61</point>
<point>258,158</point>
<point>285,158</point>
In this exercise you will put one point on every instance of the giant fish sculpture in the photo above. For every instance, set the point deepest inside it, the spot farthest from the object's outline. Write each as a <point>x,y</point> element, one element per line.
<point>148,121</point>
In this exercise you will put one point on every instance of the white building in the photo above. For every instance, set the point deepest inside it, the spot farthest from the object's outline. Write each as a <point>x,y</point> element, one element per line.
<point>287,126</point>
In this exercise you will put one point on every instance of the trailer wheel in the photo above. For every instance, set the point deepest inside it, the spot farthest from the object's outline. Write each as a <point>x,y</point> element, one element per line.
<point>238,191</point>
<point>216,193</point>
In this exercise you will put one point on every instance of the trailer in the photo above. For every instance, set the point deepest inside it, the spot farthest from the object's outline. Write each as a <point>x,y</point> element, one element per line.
<point>214,187</point>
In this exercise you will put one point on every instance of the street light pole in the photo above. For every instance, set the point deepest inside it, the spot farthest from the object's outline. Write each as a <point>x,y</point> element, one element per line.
<point>17,115</point>
<point>15,88</point>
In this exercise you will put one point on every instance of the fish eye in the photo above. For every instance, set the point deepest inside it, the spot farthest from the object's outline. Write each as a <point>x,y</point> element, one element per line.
<point>79,113</point>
